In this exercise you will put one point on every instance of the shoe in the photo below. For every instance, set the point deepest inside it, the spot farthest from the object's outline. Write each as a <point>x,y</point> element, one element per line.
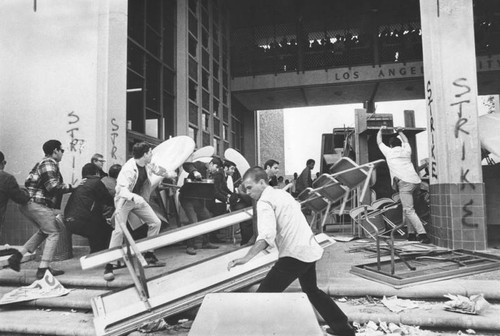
<point>152,260</point>
<point>108,273</point>
<point>191,251</point>
<point>209,246</point>
<point>412,237</point>
<point>347,330</point>
<point>423,238</point>
<point>40,272</point>
<point>15,261</point>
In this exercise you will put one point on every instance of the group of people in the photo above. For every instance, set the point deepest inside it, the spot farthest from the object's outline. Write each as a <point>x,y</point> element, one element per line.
<point>280,223</point>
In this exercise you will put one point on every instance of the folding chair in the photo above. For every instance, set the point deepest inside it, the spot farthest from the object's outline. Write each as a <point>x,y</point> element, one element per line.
<point>332,191</point>
<point>312,200</point>
<point>372,223</point>
<point>391,212</point>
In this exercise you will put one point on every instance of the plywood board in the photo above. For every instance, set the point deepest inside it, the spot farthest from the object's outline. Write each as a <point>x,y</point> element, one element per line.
<point>255,314</point>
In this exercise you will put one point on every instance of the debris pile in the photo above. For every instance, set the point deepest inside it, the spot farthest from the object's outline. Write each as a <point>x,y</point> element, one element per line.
<point>475,304</point>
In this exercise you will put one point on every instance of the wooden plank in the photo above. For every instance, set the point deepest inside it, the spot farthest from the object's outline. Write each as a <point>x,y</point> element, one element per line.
<point>169,237</point>
<point>123,310</point>
<point>229,314</point>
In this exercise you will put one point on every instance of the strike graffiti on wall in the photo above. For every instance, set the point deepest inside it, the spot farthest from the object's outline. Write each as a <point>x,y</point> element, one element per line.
<point>114,134</point>
<point>76,144</point>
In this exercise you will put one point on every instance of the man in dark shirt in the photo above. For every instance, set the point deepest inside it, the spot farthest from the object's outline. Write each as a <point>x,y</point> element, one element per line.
<point>195,205</point>
<point>272,168</point>
<point>305,180</point>
<point>9,189</point>
<point>98,160</point>
<point>83,214</point>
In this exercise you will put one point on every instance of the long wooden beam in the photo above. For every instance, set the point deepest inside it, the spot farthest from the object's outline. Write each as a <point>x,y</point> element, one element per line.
<point>169,237</point>
<point>122,311</point>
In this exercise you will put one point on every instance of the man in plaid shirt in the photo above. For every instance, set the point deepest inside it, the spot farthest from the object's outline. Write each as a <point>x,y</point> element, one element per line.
<point>46,187</point>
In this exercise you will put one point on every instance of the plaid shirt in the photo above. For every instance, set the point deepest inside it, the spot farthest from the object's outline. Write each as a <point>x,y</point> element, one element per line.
<point>45,183</point>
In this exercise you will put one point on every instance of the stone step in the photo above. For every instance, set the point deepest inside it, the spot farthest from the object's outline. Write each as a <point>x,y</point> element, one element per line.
<point>75,299</point>
<point>22,320</point>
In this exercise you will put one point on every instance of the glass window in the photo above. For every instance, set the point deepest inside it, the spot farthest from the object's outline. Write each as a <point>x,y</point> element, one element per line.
<point>168,45</point>
<point>215,69</point>
<point>205,121</point>
<point>225,78</point>
<point>193,4</point>
<point>136,22</point>
<point>169,115</point>
<point>193,114</point>
<point>193,91</point>
<point>204,38</point>
<point>224,96</point>
<point>205,100</point>
<point>206,139</point>
<point>193,69</point>
<point>205,79</point>
<point>153,13</point>
<point>225,132</point>
<point>192,46</point>
<point>216,52</point>
<point>135,59</point>
<point>225,113</point>
<point>216,127</point>
<point>216,88</point>
<point>193,24</point>
<point>205,59</point>
<point>135,102</point>
<point>153,88</point>
<point>153,42</point>
<point>193,133</point>
<point>205,19</point>
<point>153,124</point>
<point>168,80</point>
<point>216,107</point>
<point>216,145</point>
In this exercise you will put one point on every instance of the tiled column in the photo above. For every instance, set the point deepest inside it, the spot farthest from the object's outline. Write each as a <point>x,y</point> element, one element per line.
<point>457,191</point>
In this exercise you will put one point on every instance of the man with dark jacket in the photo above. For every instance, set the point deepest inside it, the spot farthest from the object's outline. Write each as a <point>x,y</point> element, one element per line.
<point>192,200</point>
<point>83,214</point>
<point>305,180</point>
<point>9,189</point>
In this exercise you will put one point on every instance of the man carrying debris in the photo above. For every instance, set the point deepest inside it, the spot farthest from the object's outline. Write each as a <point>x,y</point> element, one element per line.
<point>281,224</point>
<point>405,180</point>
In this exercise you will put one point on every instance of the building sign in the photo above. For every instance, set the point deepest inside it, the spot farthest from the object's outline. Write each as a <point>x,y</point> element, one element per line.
<point>346,75</point>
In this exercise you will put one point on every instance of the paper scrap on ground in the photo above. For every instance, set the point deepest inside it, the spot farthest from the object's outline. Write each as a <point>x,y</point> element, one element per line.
<point>398,305</point>
<point>47,287</point>
<point>475,304</point>
<point>391,329</point>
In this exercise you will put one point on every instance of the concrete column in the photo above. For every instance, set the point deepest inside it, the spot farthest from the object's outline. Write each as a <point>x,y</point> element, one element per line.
<point>457,191</point>
<point>182,101</point>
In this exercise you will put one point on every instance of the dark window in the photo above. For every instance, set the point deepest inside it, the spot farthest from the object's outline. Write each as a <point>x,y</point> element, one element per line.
<point>192,46</point>
<point>193,90</point>
<point>205,100</point>
<point>193,69</point>
<point>193,114</point>
<point>216,127</point>
<point>193,24</point>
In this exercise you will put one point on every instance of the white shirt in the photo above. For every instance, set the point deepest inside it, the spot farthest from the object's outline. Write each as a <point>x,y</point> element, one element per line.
<point>281,224</point>
<point>399,162</point>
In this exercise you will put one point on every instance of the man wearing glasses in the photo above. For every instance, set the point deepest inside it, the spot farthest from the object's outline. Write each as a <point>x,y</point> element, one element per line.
<point>45,187</point>
<point>98,160</point>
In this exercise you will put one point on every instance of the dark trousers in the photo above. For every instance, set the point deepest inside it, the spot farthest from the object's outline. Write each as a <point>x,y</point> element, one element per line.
<point>196,211</point>
<point>96,230</point>
<point>286,270</point>
<point>246,227</point>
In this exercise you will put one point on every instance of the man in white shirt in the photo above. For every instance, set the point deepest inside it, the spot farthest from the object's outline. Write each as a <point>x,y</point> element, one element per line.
<point>282,225</point>
<point>405,178</point>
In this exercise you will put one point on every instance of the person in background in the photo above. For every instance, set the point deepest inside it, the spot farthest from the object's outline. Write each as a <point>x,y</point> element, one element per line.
<point>272,168</point>
<point>45,186</point>
<point>83,214</point>
<point>405,180</point>
<point>305,180</point>
<point>281,183</point>
<point>9,190</point>
<point>109,180</point>
<point>98,160</point>
<point>282,225</point>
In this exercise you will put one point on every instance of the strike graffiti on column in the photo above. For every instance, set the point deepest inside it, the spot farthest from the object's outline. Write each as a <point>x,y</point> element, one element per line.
<point>114,134</point>
<point>433,163</point>
<point>459,133</point>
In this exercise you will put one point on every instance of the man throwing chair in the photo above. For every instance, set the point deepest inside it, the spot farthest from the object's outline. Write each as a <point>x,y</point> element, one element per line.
<point>404,179</point>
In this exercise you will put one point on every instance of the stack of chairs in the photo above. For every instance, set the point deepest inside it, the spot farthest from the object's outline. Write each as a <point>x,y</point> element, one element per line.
<point>375,218</point>
<point>331,191</point>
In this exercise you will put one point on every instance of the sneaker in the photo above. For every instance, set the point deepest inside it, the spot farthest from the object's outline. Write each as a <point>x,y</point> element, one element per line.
<point>15,261</point>
<point>191,251</point>
<point>423,238</point>
<point>412,237</point>
<point>40,272</point>
<point>209,246</point>
<point>152,260</point>
<point>108,273</point>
